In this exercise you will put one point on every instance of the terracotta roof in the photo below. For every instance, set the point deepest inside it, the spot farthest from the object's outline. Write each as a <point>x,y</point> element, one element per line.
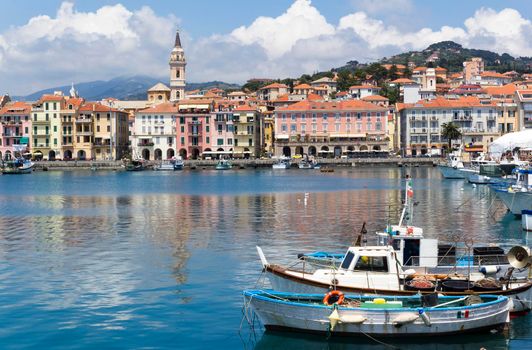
<point>46,98</point>
<point>302,86</point>
<point>332,106</point>
<point>75,101</point>
<point>375,98</point>
<point>419,69</point>
<point>342,93</point>
<point>324,80</point>
<point>354,87</point>
<point>489,74</point>
<point>508,89</point>
<point>237,93</point>
<point>440,69</point>
<point>16,108</point>
<point>244,107</point>
<point>274,86</point>
<point>314,97</point>
<point>403,81</point>
<point>455,75</point>
<point>161,108</point>
<point>96,107</point>
<point>282,98</point>
<point>441,102</point>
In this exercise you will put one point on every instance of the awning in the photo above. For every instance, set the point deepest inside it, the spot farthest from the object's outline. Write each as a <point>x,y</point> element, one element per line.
<point>25,140</point>
<point>282,137</point>
<point>474,149</point>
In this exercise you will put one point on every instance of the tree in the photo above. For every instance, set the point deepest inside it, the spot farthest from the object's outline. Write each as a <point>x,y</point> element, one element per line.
<point>451,132</point>
<point>392,73</point>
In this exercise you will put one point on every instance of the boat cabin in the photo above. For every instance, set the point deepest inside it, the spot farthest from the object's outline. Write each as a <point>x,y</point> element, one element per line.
<point>410,246</point>
<point>524,178</point>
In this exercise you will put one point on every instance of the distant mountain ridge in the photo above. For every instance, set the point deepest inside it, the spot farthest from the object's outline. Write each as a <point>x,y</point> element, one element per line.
<point>122,88</point>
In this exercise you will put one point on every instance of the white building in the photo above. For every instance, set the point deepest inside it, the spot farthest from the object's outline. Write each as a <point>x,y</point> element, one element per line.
<point>177,71</point>
<point>421,124</point>
<point>523,99</point>
<point>361,91</point>
<point>154,135</point>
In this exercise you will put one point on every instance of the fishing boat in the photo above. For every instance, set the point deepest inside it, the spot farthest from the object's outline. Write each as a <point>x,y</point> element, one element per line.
<point>282,163</point>
<point>375,270</point>
<point>179,164</point>
<point>517,197</point>
<point>306,163</point>
<point>223,164</point>
<point>165,166</point>
<point>338,314</point>
<point>454,168</point>
<point>493,174</point>
<point>135,165</point>
<point>17,166</point>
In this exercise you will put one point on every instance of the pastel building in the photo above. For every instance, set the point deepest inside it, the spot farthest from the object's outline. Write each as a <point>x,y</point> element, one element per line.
<point>15,129</point>
<point>472,68</point>
<point>420,124</point>
<point>221,131</point>
<point>193,127</point>
<point>523,98</point>
<point>331,129</point>
<point>272,92</point>
<point>246,130</point>
<point>46,118</point>
<point>154,135</point>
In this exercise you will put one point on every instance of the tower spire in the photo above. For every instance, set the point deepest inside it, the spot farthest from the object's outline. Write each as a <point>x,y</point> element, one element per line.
<point>177,39</point>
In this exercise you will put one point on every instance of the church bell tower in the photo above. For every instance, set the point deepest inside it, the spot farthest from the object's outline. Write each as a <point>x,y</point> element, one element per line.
<point>177,71</point>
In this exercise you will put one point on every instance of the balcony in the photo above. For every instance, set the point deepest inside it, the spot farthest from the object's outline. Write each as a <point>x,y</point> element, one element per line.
<point>83,120</point>
<point>40,122</point>
<point>145,144</point>
<point>243,133</point>
<point>84,133</point>
<point>195,122</point>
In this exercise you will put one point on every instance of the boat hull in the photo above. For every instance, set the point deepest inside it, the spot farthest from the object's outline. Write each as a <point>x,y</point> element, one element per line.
<point>516,202</point>
<point>449,172</point>
<point>285,315</point>
<point>280,280</point>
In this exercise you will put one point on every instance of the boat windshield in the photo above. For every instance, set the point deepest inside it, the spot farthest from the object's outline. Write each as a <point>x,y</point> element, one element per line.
<point>347,260</point>
<point>372,263</point>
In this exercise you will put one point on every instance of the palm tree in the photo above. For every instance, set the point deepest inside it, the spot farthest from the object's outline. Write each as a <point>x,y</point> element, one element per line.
<point>451,132</point>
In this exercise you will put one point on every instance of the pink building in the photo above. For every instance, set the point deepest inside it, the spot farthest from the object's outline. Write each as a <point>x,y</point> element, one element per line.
<point>331,129</point>
<point>15,128</point>
<point>193,127</point>
<point>221,129</point>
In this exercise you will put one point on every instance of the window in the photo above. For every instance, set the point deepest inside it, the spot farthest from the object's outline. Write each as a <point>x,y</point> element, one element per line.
<point>314,117</point>
<point>55,142</point>
<point>293,128</point>
<point>207,128</point>
<point>303,127</point>
<point>208,139</point>
<point>46,106</point>
<point>325,127</point>
<point>229,141</point>
<point>337,116</point>
<point>98,128</point>
<point>283,127</point>
<point>182,140</point>
<point>181,120</point>
<point>293,116</point>
<point>372,263</point>
<point>337,127</point>
<point>26,130</point>
<point>55,128</point>
<point>324,116</point>
<point>35,117</point>
<point>359,115</point>
<point>284,116</point>
<point>55,106</point>
<point>108,128</point>
<point>303,116</point>
<point>347,260</point>
<point>220,142</point>
<point>182,129</point>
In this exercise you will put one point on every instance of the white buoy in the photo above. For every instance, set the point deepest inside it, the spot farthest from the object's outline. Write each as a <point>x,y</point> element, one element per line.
<point>334,318</point>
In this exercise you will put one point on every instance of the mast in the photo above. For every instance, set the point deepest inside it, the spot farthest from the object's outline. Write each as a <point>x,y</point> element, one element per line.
<point>407,214</point>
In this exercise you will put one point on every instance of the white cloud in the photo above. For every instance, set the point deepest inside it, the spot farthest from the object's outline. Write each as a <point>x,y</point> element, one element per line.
<point>114,40</point>
<point>374,7</point>
<point>84,46</point>
<point>278,35</point>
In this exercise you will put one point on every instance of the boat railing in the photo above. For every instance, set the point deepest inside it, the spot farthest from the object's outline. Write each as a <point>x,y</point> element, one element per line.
<point>458,261</point>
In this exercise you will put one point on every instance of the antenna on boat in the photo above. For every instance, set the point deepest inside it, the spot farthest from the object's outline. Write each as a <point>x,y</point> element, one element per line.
<point>361,238</point>
<point>408,211</point>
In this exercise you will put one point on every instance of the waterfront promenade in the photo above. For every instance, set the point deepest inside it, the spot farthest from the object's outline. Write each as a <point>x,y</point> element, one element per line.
<point>239,163</point>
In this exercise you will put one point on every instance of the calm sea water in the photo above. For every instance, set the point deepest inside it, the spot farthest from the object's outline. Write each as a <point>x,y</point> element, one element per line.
<point>151,260</point>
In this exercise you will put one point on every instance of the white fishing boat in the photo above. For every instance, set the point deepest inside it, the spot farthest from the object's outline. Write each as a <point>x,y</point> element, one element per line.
<point>454,168</point>
<point>517,197</point>
<point>17,166</point>
<point>179,164</point>
<point>165,166</point>
<point>223,164</point>
<point>282,163</point>
<point>396,316</point>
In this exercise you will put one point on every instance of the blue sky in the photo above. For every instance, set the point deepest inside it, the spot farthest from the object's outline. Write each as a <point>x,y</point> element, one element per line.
<point>84,40</point>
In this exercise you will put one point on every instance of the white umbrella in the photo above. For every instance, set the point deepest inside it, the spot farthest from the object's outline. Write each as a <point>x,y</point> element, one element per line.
<point>521,139</point>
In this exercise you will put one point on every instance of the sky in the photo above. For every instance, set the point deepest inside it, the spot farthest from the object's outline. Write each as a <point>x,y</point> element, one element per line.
<point>56,42</point>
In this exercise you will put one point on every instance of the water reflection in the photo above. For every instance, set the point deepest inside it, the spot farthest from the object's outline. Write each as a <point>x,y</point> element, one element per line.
<point>147,259</point>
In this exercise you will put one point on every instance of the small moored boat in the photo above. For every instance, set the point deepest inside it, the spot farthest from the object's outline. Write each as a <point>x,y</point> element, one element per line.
<point>337,314</point>
<point>17,166</point>
<point>135,165</point>
<point>282,163</point>
<point>224,164</point>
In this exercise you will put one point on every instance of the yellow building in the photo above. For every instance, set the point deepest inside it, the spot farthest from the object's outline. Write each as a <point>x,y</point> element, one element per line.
<point>45,119</point>
<point>246,130</point>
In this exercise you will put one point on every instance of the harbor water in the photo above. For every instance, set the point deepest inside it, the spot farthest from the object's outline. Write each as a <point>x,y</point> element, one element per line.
<point>158,260</point>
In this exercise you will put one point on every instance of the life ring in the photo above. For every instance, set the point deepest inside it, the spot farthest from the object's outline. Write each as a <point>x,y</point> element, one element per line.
<point>410,230</point>
<point>333,297</point>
